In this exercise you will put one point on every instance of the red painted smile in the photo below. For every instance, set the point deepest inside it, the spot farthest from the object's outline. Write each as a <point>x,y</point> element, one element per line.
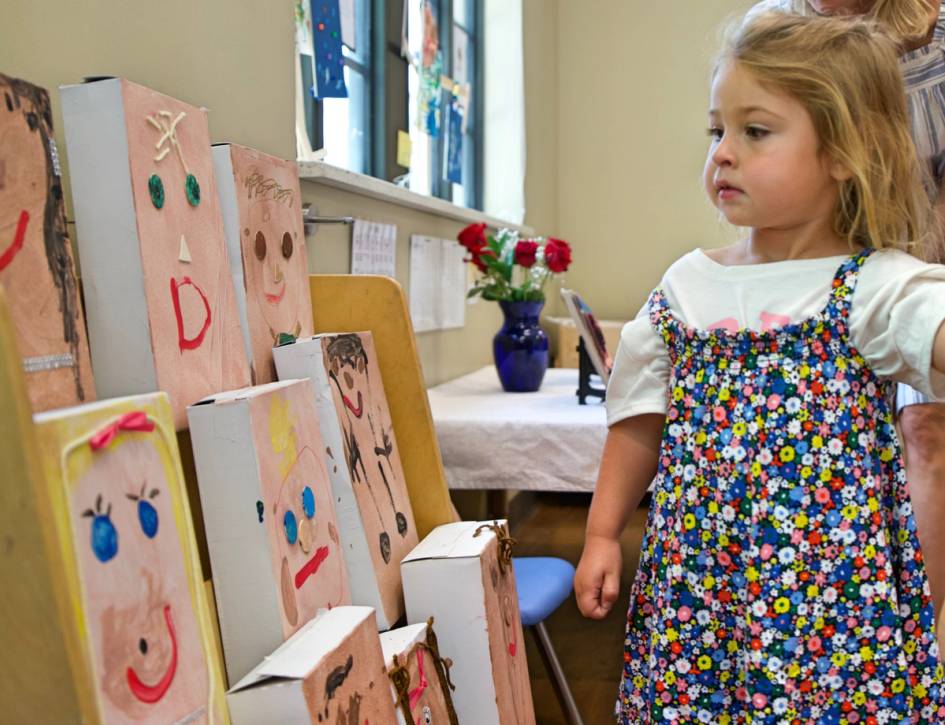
<point>18,237</point>
<point>350,406</point>
<point>311,567</point>
<point>276,298</point>
<point>152,693</point>
<point>184,342</point>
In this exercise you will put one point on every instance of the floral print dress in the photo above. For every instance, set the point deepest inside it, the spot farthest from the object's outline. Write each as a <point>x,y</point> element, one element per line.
<point>780,579</point>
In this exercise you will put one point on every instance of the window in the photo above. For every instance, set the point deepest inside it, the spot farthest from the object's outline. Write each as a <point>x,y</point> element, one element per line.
<point>445,91</point>
<point>360,132</point>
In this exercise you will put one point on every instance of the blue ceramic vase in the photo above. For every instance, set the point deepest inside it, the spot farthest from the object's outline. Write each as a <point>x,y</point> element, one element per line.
<point>521,347</point>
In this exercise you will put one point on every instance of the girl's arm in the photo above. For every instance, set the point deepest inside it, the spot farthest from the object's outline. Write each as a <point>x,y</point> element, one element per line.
<point>938,349</point>
<point>629,463</point>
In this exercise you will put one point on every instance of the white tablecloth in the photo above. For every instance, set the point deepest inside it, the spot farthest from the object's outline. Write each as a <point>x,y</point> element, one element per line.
<point>541,441</point>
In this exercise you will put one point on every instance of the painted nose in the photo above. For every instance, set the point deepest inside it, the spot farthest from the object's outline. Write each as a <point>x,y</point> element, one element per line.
<point>349,381</point>
<point>277,273</point>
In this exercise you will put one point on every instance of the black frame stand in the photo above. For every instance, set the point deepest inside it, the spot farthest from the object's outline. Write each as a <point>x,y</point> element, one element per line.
<point>585,370</point>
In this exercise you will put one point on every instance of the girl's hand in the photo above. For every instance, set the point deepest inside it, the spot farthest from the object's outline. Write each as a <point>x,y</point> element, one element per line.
<point>597,580</point>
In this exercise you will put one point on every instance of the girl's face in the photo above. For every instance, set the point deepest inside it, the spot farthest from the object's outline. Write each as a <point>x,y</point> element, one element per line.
<point>841,7</point>
<point>764,167</point>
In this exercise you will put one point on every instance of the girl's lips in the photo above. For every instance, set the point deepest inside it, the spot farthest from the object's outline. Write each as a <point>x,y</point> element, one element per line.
<point>726,193</point>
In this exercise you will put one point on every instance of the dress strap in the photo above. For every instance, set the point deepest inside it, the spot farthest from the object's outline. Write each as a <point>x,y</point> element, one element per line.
<point>660,316</point>
<point>844,284</point>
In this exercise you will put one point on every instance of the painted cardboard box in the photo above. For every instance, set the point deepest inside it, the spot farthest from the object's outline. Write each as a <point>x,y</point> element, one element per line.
<point>461,575</point>
<point>268,512</point>
<point>158,290</point>
<point>36,266</point>
<point>129,560</point>
<point>374,515</point>
<point>330,671</point>
<point>419,675</point>
<point>262,218</point>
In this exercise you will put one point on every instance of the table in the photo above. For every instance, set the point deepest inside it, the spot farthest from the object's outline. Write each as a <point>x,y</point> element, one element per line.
<point>542,441</point>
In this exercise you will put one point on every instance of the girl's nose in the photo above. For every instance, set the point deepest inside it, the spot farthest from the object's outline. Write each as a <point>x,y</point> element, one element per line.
<point>724,153</point>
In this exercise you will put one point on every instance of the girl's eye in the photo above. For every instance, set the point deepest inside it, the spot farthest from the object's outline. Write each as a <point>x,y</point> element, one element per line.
<point>756,132</point>
<point>715,133</point>
<point>291,528</point>
<point>260,246</point>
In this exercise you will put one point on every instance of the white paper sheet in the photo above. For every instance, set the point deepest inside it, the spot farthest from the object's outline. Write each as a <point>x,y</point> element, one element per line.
<point>437,283</point>
<point>373,248</point>
<point>348,25</point>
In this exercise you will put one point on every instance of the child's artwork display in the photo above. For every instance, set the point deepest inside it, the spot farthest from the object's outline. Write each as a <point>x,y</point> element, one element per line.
<point>419,675</point>
<point>375,518</point>
<point>158,290</point>
<point>129,560</point>
<point>461,573</point>
<point>36,267</point>
<point>330,671</point>
<point>262,218</point>
<point>271,529</point>
<point>329,58</point>
<point>591,333</point>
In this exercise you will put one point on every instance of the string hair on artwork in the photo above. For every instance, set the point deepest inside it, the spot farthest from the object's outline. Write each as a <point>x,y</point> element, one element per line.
<point>168,129</point>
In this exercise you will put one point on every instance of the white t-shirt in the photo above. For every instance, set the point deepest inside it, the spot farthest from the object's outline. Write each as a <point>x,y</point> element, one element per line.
<point>897,307</point>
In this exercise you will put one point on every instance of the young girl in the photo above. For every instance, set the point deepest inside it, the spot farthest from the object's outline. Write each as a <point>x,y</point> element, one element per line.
<point>780,578</point>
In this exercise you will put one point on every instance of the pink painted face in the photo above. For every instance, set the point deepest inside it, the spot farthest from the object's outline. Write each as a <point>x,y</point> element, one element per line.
<point>275,262</point>
<point>194,325</point>
<point>36,268</point>
<point>297,510</point>
<point>509,665</point>
<point>143,632</point>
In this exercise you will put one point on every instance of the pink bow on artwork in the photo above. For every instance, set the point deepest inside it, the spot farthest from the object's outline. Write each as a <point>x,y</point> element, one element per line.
<point>136,420</point>
<point>422,685</point>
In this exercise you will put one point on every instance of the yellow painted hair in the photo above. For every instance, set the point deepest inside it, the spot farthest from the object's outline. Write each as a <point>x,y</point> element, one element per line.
<point>845,72</point>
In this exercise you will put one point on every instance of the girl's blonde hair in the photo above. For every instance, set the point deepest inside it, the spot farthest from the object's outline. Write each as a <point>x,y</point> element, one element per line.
<point>846,74</point>
<point>905,20</point>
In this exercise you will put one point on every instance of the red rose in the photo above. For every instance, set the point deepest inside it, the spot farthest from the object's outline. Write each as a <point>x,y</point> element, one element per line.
<point>473,237</point>
<point>525,252</point>
<point>557,255</point>
<point>476,258</point>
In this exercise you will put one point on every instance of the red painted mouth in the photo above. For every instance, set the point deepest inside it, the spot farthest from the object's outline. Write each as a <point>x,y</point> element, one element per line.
<point>18,237</point>
<point>152,693</point>
<point>357,411</point>
<point>188,343</point>
<point>276,298</point>
<point>321,553</point>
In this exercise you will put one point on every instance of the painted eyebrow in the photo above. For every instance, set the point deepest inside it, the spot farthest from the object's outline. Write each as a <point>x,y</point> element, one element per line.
<point>745,110</point>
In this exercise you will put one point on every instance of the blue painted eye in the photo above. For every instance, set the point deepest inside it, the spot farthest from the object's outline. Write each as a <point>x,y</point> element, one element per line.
<point>104,538</point>
<point>291,529</point>
<point>148,517</point>
<point>308,502</point>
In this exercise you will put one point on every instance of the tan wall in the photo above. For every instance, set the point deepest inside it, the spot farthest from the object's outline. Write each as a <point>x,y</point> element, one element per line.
<point>235,58</point>
<point>616,94</point>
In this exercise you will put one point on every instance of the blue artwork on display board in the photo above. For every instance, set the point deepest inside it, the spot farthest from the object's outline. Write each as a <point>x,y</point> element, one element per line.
<point>329,60</point>
<point>454,139</point>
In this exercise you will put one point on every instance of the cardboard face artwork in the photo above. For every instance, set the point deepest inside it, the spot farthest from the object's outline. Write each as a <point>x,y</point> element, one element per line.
<point>297,509</point>
<point>506,644</point>
<point>349,685</point>
<point>275,261</point>
<point>419,679</point>
<point>141,600</point>
<point>36,267</point>
<point>192,309</point>
<point>371,452</point>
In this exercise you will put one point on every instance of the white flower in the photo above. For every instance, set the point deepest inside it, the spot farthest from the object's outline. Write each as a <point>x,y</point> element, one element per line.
<point>786,555</point>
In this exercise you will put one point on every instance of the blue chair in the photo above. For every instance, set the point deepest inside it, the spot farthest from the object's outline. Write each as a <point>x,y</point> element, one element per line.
<point>543,584</point>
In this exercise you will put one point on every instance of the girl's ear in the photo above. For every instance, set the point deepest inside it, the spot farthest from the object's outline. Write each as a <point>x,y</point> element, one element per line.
<point>838,170</point>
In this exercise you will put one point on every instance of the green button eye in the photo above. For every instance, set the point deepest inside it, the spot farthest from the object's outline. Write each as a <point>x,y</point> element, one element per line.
<point>193,190</point>
<point>156,189</point>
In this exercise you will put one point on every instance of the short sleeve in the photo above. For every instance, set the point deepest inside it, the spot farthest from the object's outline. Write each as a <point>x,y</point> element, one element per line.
<point>639,382</point>
<point>897,309</point>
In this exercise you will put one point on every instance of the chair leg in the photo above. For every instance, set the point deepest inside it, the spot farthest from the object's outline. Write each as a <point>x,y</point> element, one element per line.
<point>558,680</point>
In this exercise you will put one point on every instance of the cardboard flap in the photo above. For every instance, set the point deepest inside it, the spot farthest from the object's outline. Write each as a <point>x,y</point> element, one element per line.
<point>453,541</point>
<point>302,652</point>
<point>235,396</point>
<point>400,641</point>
